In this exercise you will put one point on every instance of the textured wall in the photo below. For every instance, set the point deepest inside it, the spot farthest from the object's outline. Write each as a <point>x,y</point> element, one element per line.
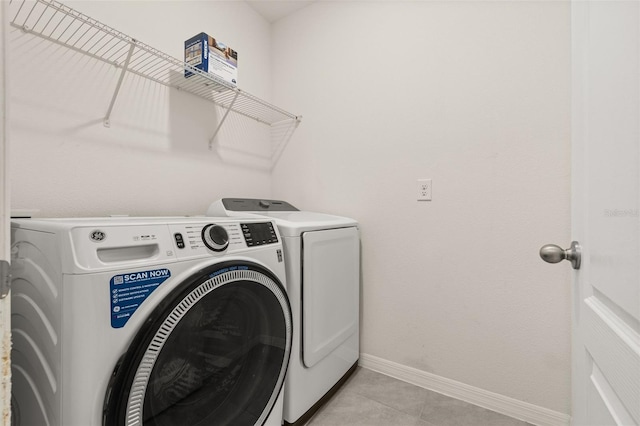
<point>476,96</point>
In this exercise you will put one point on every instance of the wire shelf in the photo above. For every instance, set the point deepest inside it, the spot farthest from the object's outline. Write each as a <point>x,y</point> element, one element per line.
<point>65,26</point>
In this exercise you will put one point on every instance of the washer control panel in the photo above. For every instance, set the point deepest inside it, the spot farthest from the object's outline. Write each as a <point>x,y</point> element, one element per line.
<point>221,236</point>
<point>257,234</point>
<point>192,238</point>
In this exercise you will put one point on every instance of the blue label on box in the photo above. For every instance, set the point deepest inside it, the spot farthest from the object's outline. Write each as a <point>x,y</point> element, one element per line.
<point>129,290</point>
<point>196,53</point>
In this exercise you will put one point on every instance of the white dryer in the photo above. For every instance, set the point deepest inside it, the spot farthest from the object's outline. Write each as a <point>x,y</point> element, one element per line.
<point>322,256</point>
<point>148,321</point>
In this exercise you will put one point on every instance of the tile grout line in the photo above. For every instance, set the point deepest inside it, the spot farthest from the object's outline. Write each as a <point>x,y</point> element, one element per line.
<point>418,417</point>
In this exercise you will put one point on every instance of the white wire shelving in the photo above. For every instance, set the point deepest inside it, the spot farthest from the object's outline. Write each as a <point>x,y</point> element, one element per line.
<point>62,25</point>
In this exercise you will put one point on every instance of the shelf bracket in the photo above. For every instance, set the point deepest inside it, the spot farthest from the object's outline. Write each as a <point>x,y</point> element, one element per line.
<point>125,66</point>
<point>289,127</point>
<point>224,117</point>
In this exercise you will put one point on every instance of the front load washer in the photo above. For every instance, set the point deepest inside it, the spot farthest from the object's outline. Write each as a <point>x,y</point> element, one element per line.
<point>148,321</point>
<point>322,256</point>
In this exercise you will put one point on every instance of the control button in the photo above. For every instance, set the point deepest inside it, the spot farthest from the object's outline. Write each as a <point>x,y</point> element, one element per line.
<point>215,237</point>
<point>179,240</point>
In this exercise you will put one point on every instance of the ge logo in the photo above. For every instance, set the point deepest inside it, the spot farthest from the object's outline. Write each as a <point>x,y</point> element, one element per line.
<point>97,236</point>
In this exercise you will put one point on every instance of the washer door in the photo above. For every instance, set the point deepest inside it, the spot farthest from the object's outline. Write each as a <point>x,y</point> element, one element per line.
<point>214,352</point>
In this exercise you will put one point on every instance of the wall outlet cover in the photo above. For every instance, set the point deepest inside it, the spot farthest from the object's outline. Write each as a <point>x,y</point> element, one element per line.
<point>424,189</point>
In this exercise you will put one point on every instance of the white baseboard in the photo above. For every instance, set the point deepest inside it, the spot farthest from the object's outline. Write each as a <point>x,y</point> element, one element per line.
<point>495,402</point>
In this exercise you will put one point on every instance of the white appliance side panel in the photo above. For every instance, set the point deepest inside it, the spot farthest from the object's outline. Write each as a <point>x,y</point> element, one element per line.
<point>330,290</point>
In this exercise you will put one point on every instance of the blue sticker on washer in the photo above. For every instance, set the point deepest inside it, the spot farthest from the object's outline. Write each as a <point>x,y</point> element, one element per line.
<point>229,269</point>
<point>128,291</point>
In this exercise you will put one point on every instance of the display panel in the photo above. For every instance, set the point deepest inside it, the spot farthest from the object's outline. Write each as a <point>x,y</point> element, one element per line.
<point>256,234</point>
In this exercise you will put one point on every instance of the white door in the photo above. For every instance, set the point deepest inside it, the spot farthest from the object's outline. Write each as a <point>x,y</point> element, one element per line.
<point>5,314</point>
<point>606,221</point>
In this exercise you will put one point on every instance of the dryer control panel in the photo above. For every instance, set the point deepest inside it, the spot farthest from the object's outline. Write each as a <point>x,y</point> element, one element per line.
<point>256,205</point>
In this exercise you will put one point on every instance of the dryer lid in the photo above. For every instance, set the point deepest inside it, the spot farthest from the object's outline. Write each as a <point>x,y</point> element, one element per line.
<point>290,221</point>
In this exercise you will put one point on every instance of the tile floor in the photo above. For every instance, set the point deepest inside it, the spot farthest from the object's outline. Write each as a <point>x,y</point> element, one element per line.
<point>373,399</point>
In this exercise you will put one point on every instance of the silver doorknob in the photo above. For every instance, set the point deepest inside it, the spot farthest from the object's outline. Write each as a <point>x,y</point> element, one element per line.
<point>553,254</point>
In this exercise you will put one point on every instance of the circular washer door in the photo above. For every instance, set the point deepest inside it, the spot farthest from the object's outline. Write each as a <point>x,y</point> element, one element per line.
<point>214,352</point>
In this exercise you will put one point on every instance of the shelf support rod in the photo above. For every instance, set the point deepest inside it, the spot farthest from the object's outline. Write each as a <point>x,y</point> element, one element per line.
<point>107,122</point>
<point>292,125</point>
<point>224,117</point>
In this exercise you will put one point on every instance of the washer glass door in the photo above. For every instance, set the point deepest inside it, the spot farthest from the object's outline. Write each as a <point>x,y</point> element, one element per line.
<point>215,353</point>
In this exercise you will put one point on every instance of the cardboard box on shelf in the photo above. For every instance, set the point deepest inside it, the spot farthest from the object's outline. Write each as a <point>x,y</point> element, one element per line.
<point>208,54</point>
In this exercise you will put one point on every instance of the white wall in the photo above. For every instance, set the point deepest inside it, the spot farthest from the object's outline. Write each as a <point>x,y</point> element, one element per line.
<point>154,159</point>
<point>474,95</point>
<point>5,255</point>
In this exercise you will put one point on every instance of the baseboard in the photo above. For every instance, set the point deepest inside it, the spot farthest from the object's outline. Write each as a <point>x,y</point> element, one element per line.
<point>499,403</point>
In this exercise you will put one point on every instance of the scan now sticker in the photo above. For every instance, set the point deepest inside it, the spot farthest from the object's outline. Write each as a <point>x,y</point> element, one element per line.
<point>130,290</point>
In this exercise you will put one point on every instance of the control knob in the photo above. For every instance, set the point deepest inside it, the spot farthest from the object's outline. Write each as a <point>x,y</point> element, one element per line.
<point>215,237</point>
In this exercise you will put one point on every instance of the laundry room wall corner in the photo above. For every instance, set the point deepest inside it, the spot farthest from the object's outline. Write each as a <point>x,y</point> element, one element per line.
<point>154,158</point>
<point>475,96</point>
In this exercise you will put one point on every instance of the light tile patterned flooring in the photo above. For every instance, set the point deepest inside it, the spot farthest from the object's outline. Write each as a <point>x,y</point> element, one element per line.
<point>373,399</point>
